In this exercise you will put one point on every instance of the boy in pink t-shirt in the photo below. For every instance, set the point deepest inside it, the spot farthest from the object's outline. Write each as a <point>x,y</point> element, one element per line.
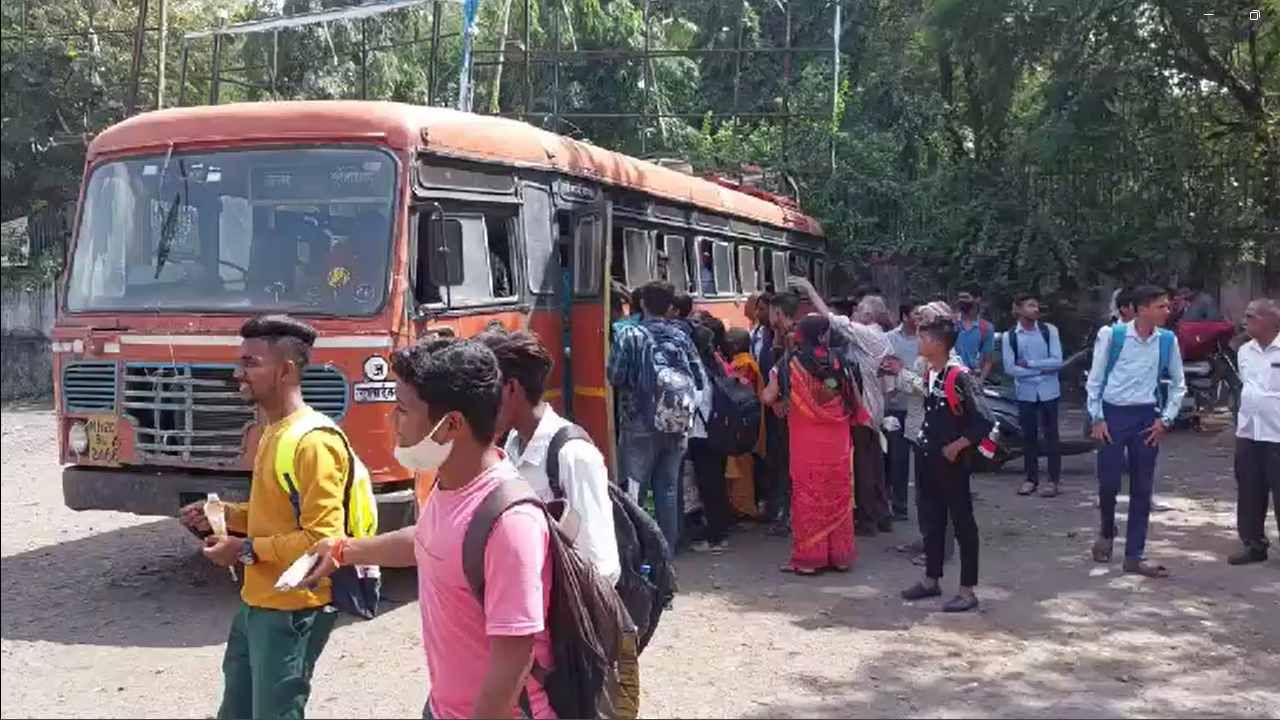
<point>478,658</point>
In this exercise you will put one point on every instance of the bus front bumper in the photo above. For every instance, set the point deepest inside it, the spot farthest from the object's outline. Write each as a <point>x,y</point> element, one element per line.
<point>163,492</point>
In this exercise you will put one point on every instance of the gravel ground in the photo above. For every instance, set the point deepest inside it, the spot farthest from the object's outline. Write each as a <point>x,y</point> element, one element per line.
<point>112,615</point>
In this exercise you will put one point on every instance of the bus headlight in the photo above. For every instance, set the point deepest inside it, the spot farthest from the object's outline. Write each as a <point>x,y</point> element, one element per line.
<point>78,438</point>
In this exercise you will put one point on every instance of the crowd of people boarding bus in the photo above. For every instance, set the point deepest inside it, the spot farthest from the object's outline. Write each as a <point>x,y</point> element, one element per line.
<point>523,612</point>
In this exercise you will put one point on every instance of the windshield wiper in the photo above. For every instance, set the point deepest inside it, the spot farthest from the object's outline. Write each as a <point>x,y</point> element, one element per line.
<point>170,225</point>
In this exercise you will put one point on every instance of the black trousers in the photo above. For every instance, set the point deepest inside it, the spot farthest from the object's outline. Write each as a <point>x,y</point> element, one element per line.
<point>871,493</point>
<point>897,464</point>
<point>708,469</point>
<point>778,460</point>
<point>1257,476</point>
<point>1040,436</point>
<point>946,494</point>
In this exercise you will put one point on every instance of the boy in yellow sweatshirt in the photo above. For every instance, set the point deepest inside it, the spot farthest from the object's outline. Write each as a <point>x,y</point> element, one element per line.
<point>276,637</point>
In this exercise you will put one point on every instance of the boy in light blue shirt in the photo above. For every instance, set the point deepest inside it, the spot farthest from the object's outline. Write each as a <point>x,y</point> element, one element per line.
<point>1032,354</point>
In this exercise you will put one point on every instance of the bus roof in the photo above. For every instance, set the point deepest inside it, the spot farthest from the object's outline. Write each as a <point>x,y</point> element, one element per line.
<point>482,138</point>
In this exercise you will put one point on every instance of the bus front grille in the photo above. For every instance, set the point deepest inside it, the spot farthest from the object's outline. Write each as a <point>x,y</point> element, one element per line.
<point>194,414</point>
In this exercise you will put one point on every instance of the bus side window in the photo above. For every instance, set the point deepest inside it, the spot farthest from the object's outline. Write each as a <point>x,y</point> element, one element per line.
<point>541,256</point>
<point>587,256</point>
<point>424,292</point>
<point>748,269</point>
<point>778,260</point>
<point>705,264</point>
<point>722,267</point>
<point>637,246</point>
<point>798,265</point>
<point>677,265</point>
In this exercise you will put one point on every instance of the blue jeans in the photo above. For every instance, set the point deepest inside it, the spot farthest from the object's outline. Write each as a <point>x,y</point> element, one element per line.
<point>1126,425</point>
<point>652,461</point>
<point>1040,433</point>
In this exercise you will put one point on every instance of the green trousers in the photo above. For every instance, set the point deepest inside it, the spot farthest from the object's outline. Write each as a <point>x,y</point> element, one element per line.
<point>270,657</point>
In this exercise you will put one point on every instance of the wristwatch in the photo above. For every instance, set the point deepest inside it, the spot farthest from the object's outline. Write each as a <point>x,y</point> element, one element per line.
<point>246,553</point>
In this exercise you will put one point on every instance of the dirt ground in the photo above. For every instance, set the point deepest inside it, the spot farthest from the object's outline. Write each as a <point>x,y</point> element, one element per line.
<point>113,615</point>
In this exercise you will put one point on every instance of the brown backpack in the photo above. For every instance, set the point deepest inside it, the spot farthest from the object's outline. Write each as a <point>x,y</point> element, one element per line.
<point>593,640</point>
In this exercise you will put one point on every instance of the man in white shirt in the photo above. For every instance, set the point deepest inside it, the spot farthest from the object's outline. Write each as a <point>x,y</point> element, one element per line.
<point>530,424</point>
<point>1258,430</point>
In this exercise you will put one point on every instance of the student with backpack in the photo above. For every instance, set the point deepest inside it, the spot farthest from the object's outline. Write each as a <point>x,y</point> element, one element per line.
<point>1130,413</point>
<point>277,636</point>
<point>710,439</point>
<point>741,472</point>
<point>656,371</point>
<point>956,425</point>
<point>976,337</point>
<point>514,621</point>
<point>560,462</point>
<point>1032,356</point>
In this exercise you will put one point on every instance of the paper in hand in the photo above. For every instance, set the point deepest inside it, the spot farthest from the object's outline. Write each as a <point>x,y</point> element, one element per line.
<point>291,578</point>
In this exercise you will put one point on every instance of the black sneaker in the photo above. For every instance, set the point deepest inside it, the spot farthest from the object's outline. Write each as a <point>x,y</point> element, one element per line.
<point>1248,556</point>
<point>960,603</point>
<point>920,591</point>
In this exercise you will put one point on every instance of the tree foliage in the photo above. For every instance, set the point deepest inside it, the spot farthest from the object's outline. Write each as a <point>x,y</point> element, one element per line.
<point>1018,143</point>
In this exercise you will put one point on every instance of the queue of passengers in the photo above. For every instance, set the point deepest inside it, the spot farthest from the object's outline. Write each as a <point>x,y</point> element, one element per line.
<point>490,613</point>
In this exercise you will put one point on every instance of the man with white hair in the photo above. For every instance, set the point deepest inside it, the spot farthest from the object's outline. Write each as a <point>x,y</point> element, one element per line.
<point>865,343</point>
<point>1258,430</point>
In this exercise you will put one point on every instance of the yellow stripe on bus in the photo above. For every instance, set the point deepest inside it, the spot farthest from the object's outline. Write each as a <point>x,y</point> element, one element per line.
<point>579,390</point>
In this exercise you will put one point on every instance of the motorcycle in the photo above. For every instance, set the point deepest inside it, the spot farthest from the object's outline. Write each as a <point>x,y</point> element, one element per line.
<point>1209,368</point>
<point>1003,407</point>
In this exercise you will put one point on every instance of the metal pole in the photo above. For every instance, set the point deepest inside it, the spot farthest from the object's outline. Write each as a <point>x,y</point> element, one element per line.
<point>435,46</point>
<point>648,84</point>
<point>182,74</point>
<point>737,56</point>
<point>555,75</point>
<point>164,49</point>
<point>528,70</point>
<point>786,85</point>
<point>135,70</point>
<point>835,83</point>
<point>469,9</point>
<point>364,58</point>
<point>275,64</point>
<point>216,73</point>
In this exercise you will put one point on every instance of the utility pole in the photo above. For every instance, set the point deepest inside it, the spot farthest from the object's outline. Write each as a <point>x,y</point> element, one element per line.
<point>164,48</point>
<point>139,38</point>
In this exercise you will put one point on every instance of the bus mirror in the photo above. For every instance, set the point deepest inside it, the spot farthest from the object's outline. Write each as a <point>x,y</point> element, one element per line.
<point>444,249</point>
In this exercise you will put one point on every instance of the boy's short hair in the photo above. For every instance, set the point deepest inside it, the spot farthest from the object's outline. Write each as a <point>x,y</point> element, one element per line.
<point>944,331</point>
<point>452,374</point>
<point>1124,298</point>
<point>787,303</point>
<point>683,303</point>
<point>521,357</point>
<point>1144,295</point>
<point>287,334</point>
<point>656,297</point>
<point>1022,297</point>
<point>736,342</point>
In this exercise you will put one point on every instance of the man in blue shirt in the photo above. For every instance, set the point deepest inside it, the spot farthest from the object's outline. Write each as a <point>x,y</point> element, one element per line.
<point>975,337</point>
<point>1032,354</point>
<point>1131,412</point>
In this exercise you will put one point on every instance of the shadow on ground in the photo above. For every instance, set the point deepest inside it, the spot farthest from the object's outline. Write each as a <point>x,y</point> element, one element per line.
<point>141,586</point>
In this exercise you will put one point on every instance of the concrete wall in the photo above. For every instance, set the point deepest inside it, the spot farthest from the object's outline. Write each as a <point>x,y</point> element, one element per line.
<point>26,319</point>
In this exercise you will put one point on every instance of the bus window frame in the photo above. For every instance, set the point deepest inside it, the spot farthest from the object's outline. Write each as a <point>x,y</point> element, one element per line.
<point>683,258</point>
<point>753,253</point>
<point>597,252</point>
<point>549,285</point>
<point>730,271</point>
<point>515,241</point>
<point>779,261</point>
<point>650,251</point>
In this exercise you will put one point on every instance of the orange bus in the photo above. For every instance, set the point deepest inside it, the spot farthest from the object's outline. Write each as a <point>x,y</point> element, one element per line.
<point>380,224</point>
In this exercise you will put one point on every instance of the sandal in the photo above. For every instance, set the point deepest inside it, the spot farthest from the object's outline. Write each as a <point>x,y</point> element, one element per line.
<point>1102,548</point>
<point>1027,488</point>
<point>793,570</point>
<point>1050,490</point>
<point>920,591</point>
<point>1145,569</point>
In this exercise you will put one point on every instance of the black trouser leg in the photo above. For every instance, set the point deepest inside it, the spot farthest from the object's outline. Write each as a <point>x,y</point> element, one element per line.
<point>872,496</point>
<point>898,465</point>
<point>1257,477</point>
<point>931,503</point>
<point>960,509</point>
<point>1049,439</point>
<point>708,468</point>
<point>1029,416</point>
<point>778,459</point>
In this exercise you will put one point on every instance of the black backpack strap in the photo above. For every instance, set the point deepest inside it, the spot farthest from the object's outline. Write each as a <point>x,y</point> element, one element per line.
<point>562,436</point>
<point>507,495</point>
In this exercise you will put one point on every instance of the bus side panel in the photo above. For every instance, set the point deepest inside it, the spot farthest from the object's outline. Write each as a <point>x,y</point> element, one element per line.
<point>590,404</point>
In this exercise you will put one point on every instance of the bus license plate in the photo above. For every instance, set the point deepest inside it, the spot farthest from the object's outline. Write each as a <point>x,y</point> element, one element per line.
<point>375,392</point>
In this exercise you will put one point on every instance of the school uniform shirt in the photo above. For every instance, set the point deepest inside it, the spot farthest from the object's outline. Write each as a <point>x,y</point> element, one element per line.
<point>1038,382</point>
<point>1135,377</point>
<point>906,348</point>
<point>585,481</point>
<point>972,344</point>
<point>1259,416</point>
<point>941,426</point>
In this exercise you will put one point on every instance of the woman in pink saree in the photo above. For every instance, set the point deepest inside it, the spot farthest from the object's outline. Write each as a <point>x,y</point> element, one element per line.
<point>821,403</point>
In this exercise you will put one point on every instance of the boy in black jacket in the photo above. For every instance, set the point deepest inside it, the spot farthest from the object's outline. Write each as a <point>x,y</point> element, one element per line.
<point>956,426</point>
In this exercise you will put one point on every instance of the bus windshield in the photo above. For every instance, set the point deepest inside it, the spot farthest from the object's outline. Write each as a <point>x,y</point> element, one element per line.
<point>302,230</point>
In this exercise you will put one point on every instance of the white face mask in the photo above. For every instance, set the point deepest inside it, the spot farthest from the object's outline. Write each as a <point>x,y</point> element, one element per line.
<point>426,454</point>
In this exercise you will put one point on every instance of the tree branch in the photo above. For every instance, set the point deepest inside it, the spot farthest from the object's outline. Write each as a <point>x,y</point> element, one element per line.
<point>1208,65</point>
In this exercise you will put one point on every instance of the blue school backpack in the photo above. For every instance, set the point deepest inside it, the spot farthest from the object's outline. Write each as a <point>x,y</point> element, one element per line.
<point>1165,338</point>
